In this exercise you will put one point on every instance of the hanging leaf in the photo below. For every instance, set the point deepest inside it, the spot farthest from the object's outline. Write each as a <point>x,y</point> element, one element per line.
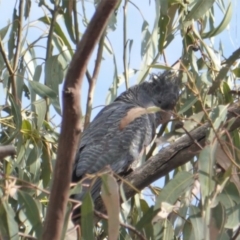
<point>199,9</point>
<point>110,197</point>
<point>8,225</point>
<point>87,218</point>
<point>42,90</point>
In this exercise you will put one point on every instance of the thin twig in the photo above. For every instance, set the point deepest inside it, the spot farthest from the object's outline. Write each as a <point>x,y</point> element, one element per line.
<point>93,80</point>
<point>194,140</point>
<point>75,18</point>
<point>159,134</point>
<point>49,47</point>
<point>125,43</point>
<point>129,227</point>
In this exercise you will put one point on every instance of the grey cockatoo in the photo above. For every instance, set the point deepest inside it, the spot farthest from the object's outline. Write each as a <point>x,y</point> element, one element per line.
<point>106,143</point>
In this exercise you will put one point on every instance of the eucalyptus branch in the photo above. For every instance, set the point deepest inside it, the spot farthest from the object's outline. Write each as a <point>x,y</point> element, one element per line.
<point>70,117</point>
<point>93,80</point>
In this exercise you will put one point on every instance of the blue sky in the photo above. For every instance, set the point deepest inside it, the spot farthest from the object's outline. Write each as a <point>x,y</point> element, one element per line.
<point>230,40</point>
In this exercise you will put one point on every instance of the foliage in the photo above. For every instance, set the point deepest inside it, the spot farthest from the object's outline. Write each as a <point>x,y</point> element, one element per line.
<point>199,200</point>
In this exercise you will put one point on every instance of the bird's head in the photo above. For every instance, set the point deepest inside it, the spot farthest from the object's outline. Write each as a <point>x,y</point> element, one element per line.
<point>165,90</point>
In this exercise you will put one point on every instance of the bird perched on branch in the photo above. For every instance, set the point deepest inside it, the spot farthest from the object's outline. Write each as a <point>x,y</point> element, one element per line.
<point>120,132</point>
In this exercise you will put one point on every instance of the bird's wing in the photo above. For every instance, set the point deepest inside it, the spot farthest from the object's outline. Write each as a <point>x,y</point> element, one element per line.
<point>104,143</point>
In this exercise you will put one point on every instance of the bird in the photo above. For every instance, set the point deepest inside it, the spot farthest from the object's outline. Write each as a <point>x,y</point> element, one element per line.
<point>106,143</point>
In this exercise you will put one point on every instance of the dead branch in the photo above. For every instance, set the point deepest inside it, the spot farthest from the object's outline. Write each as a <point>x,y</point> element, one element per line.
<point>70,130</point>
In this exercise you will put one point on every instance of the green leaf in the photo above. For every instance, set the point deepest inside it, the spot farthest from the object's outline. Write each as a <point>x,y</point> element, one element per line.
<point>219,217</point>
<point>53,73</point>
<point>206,162</point>
<point>13,34</point>
<point>222,26</point>
<point>31,210</point>
<point>236,71</point>
<point>58,31</point>
<point>190,124</point>
<point>197,223</point>
<point>27,8</point>
<point>218,116</point>
<point>46,166</point>
<point>160,66</point>
<point>87,217</point>
<point>175,188</point>
<point>42,90</point>
<point>226,92</point>
<point>113,89</point>
<point>162,25</point>
<point>69,24</point>
<point>230,199</point>
<point>67,219</point>
<point>188,104</point>
<point>41,109</point>
<point>4,31</point>
<point>36,78</point>
<point>168,231</point>
<point>199,9</point>
<point>188,233</point>
<point>16,112</point>
<point>56,104</point>
<point>76,189</point>
<point>110,197</point>
<point>8,225</point>
<point>145,37</point>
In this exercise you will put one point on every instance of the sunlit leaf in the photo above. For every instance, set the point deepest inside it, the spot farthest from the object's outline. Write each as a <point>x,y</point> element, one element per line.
<point>199,9</point>
<point>222,26</point>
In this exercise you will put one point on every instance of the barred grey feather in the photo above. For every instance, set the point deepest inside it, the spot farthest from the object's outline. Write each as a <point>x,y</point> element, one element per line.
<point>103,143</point>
